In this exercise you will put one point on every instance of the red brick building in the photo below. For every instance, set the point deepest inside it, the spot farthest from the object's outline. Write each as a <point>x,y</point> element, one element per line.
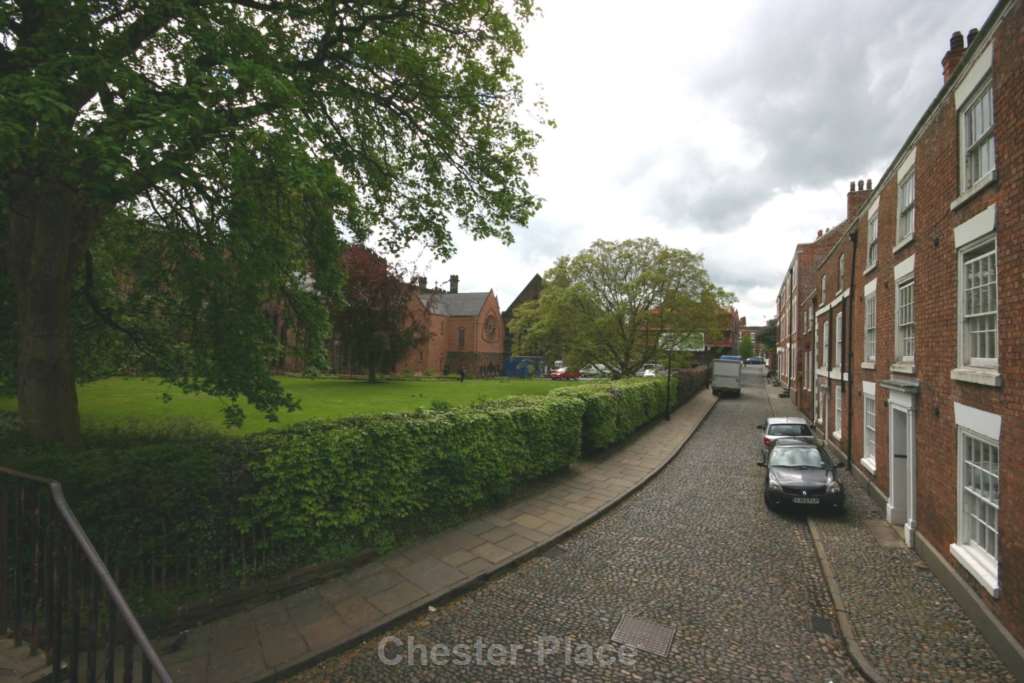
<point>465,332</point>
<point>919,373</point>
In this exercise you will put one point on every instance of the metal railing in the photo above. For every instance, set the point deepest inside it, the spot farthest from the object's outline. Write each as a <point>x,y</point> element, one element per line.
<point>56,594</point>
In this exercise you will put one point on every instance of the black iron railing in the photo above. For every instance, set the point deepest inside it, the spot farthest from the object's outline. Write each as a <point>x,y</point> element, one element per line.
<point>56,594</point>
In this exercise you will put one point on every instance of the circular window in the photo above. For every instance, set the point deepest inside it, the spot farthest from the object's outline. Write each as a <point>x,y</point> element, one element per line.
<point>490,328</point>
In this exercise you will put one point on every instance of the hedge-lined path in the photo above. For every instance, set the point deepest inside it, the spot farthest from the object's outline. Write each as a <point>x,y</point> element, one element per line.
<point>694,550</point>
<point>302,628</point>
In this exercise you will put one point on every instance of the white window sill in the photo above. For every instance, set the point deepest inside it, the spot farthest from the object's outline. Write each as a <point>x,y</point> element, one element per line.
<point>904,242</point>
<point>990,377</point>
<point>868,464</point>
<point>868,365</point>
<point>903,368</point>
<point>981,570</point>
<point>967,195</point>
<point>821,372</point>
<point>871,267</point>
<point>838,436</point>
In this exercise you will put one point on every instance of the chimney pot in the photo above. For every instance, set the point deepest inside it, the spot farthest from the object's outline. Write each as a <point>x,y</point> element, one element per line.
<point>869,183</point>
<point>819,231</point>
<point>971,35</point>
<point>952,58</point>
<point>453,283</point>
<point>860,185</point>
<point>853,185</point>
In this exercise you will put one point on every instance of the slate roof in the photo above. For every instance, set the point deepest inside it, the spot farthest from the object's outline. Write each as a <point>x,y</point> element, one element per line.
<point>461,304</point>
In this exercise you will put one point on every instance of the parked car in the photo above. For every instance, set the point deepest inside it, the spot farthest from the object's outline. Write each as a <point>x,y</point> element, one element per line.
<point>776,428</point>
<point>564,373</point>
<point>802,474</point>
<point>755,360</point>
<point>595,370</point>
<point>731,357</point>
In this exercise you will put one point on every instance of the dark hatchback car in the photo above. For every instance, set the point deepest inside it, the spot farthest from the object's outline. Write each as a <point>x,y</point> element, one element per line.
<point>801,474</point>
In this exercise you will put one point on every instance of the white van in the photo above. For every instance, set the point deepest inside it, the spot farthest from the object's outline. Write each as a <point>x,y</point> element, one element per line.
<point>726,377</point>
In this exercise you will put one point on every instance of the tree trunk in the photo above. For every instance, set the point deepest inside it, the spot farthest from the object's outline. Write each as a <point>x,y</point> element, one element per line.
<point>48,231</point>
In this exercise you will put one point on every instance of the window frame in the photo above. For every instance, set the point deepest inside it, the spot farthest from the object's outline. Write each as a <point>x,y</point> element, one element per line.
<point>838,360</point>
<point>842,274</point>
<point>868,457</point>
<point>974,556</point>
<point>901,284</point>
<point>825,345</point>
<point>872,248</point>
<point>964,358</point>
<point>837,408</point>
<point>870,326</point>
<point>967,184</point>
<point>906,215</point>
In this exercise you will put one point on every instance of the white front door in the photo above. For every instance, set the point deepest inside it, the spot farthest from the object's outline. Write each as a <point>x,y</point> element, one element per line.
<point>902,470</point>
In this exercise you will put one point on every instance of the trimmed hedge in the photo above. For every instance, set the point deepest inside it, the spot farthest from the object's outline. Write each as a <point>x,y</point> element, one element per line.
<point>366,479</point>
<point>616,409</point>
<point>181,516</point>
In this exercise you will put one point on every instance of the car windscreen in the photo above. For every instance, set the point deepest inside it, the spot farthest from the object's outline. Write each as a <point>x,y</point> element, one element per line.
<point>798,456</point>
<point>789,430</point>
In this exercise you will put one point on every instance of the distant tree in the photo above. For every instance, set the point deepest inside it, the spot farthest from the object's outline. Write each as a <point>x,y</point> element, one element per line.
<point>769,336</point>
<point>746,346</point>
<point>374,322</point>
<point>195,118</point>
<point>611,303</point>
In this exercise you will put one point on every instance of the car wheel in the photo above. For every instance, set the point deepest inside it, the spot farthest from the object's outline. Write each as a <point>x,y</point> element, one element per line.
<point>767,501</point>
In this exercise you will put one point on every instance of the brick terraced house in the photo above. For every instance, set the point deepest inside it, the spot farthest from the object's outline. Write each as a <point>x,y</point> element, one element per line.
<point>918,369</point>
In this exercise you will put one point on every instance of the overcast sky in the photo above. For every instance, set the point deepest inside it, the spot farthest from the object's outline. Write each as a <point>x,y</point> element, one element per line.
<point>728,128</point>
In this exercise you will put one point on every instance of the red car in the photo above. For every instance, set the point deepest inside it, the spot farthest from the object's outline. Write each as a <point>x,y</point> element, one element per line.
<point>564,373</point>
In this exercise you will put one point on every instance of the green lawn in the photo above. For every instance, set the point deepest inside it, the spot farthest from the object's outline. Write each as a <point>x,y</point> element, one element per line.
<point>120,402</point>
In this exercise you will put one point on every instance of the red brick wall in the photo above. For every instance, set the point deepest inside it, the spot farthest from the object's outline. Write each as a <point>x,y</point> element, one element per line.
<point>935,274</point>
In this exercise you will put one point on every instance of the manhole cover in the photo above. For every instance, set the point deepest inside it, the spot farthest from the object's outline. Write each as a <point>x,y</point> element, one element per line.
<point>822,625</point>
<point>644,635</point>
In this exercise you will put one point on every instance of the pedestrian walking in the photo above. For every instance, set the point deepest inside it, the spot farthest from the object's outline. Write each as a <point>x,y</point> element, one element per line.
<point>462,374</point>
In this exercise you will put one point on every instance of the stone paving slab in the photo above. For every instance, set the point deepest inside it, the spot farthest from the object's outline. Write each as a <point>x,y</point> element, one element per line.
<point>304,627</point>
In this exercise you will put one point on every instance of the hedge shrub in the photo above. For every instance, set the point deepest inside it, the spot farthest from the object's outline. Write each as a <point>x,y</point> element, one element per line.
<point>615,410</point>
<point>189,513</point>
<point>366,479</point>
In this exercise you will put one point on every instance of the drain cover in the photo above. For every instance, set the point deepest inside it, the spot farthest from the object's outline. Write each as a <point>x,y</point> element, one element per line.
<point>644,635</point>
<point>822,625</point>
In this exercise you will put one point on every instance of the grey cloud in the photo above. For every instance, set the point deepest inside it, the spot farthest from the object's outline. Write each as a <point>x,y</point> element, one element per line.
<point>825,89</point>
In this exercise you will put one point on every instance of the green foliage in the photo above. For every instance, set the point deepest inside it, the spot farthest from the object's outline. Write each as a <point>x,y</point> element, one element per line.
<point>368,479</point>
<point>615,410</point>
<point>746,346</point>
<point>204,505</point>
<point>611,303</point>
<point>215,156</point>
<point>769,337</point>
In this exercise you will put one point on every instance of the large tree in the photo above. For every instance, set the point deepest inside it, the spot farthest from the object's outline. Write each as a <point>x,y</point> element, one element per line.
<point>612,302</point>
<point>183,129</point>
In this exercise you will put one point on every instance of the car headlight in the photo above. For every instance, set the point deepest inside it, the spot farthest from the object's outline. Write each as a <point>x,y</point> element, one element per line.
<point>834,487</point>
<point>773,484</point>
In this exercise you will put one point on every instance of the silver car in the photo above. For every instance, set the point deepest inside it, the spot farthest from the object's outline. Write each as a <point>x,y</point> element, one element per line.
<point>779,427</point>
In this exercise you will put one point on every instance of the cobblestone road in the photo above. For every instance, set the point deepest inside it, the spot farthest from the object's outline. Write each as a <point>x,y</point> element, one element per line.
<point>695,550</point>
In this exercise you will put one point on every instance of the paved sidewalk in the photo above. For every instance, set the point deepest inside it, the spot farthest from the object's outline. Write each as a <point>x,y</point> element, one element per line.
<point>905,622</point>
<point>306,626</point>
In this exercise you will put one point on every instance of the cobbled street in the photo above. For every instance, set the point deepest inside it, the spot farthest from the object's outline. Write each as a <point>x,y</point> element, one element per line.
<point>695,550</point>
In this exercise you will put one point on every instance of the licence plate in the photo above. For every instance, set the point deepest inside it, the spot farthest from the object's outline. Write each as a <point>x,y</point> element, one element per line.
<point>806,501</point>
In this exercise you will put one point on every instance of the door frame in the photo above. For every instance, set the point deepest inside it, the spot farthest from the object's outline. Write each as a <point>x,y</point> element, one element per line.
<point>903,402</point>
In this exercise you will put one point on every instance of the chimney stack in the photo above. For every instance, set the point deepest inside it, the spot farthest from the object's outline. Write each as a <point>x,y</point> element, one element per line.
<point>952,58</point>
<point>453,284</point>
<point>855,198</point>
<point>971,35</point>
